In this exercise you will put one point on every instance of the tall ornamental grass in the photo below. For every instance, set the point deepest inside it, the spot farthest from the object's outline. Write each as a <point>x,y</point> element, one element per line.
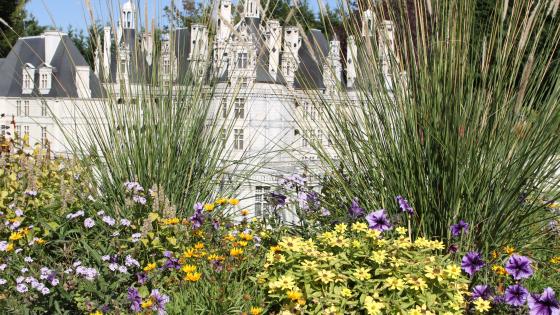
<point>464,123</point>
<point>158,134</point>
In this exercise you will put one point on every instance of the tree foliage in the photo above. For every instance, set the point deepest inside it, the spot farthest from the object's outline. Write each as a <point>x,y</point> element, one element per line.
<point>19,23</point>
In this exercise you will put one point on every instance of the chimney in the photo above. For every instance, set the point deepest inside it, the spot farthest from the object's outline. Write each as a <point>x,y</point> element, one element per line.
<point>199,42</point>
<point>351,57</point>
<point>274,42</point>
<point>290,57</point>
<point>106,52</point>
<point>82,81</point>
<point>52,39</point>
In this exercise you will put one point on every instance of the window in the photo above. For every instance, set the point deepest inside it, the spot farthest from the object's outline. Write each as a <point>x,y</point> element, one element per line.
<point>4,130</point>
<point>223,137</point>
<point>27,81</point>
<point>18,131</point>
<point>244,82</point>
<point>26,131</point>
<point>26,108</point>
<point>18,108</point>
<point>261,205</point>
<point>223,104</point>
<point>238,139</point>
<point>44,81</point>
<point>166,67</point>
<point>44,108</point>
<point>242,60</point>
<point>44,135</point>
<point>239,107</point>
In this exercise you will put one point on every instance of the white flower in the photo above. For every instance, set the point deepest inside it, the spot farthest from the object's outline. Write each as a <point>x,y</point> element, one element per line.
<point>18,250</point>
<point>123,269</point>
<point>113,266</point>
<point>2,281</point>
<point>106,257</point>
<point>54,282</point>
<point>116,233</point>
<point>3,266</point>
<point>18,213</point>
<point>28,259</point>
<point>89,223</point>
<point>45,291</point>
<point>110,221</point>
<point>100,213</point>
<point>125,222</point>
<point>24,270</point>
<point>3,245</point>
<point>21,288</point>
<point>20,279</point>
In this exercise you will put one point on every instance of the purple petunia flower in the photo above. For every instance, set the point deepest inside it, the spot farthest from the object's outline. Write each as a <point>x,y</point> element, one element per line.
<point>404,205</point>
<point>519,267</point>
<point>453,248</point>
<point>355,210</point>
<point>216,224</point>
<point>516,295</point>
<point>142,277</point>
<point>472,262</point>
<point>277,199</point>
<point>197,219</point>
<point>378,220</point>
<point>159,301</point>
<point>459,228</point>
<point>543,304</point>
<point>135,300</point>
<point>481,291</point>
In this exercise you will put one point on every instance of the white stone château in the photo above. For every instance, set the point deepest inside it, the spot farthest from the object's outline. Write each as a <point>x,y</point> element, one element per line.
<point>261,74</point>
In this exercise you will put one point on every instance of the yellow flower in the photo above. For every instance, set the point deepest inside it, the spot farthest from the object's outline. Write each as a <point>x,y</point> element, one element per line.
<point>453,271</point>
<point>234,201</point>
<point>193,276</point>
<point>294,295</point>
<point>209,207</point>
<point>148,303</point>
<point>40,241</point>
<point>96,313</point>
<point>379,256</point>
<point>150,266</point>
<point>308,265</point>
<point>215,257</point>
<point>437,245</point>
<point>188,268</point>
<point>401,230</point>
<point>434,273</point>
<point>244,212</point>
<point>494,254</point>
<point>171,221</point>
<point>373,307</point>
<point>362,274</point>
<point>15,236</point>
<point>229,237</point>
<point>245,236</point>
<point>395,283</point>
<point>555,260</point>
<point>199,245</point>
<point>235,251</point>
<point>221,201</point>
<point>356,244</point>
<point>242,243</point>
<point>340,228</point>
<point>373,233</point>
<point>359,227</point>
<point>275,248</point>
<point>345,292</point>
<point>286,282</point>
<point>509,250</point>
<point>481,305</point>
<point>188,253</point>
<point>255,310</point>
<point>499,270</point>
<point>10,247</point>
<point>325,276</point>
<point>416,283</point>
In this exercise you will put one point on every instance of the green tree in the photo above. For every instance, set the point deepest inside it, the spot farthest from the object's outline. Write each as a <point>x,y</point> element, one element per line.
<point>16,23</point>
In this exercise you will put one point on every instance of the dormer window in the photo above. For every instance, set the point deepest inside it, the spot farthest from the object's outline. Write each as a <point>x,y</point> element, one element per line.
<point>28,75</point>
<point>45,79</point>
<point>242,60</point>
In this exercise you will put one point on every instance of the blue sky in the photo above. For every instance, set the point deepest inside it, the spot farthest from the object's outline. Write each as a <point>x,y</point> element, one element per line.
<point>63,13</point>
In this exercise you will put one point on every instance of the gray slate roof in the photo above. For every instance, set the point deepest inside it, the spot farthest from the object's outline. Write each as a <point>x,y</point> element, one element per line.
<point>32,50</point>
